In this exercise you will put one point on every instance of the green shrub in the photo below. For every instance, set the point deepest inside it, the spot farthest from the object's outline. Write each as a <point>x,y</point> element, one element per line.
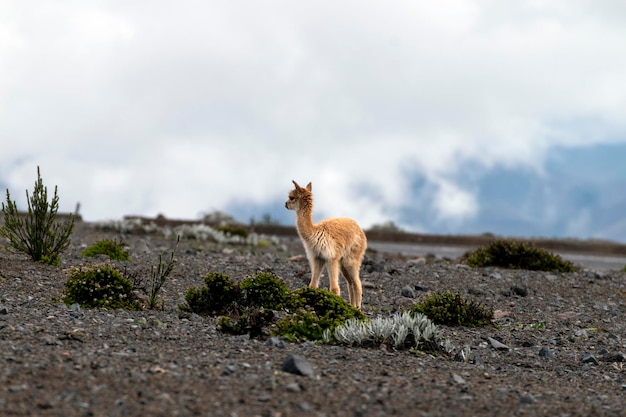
<point>220,296</point>
<point>314,311</point>
<point>516,255</point>
<point>265,290</point>
<point>100,287</point>
<point>451,309</point>
<point>254,321</point>
<point>233,230</point>
<point>114,250</point>
<point>37,233</point>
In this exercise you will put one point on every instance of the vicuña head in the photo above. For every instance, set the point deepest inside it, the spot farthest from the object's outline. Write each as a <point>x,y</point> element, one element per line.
<point>337,244</point>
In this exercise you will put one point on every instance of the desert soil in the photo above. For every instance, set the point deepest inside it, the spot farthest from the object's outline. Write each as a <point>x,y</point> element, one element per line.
<point>557,347</point>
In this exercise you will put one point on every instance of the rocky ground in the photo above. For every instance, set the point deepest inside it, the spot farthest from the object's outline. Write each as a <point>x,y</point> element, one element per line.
<point>557,348</point>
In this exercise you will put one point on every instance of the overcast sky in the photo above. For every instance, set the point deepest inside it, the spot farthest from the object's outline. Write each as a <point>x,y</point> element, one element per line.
<point>427,113</point>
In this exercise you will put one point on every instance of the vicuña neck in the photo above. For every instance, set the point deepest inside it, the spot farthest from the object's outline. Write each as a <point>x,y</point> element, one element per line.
<point>304,220</point>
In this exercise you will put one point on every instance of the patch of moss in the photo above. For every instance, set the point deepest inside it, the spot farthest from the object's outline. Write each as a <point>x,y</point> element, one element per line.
<point>100,286</point>
<point>315,310</point>
<point>451,309</point>
<point>220,296</point>
<point>114,250</point>
<point>516,255</point>
<point>265,290</point>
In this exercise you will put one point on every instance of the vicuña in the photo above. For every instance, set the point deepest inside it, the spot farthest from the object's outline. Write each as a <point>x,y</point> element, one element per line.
<point>337,243</point>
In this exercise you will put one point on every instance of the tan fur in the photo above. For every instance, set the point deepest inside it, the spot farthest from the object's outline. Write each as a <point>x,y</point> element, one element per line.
<point>337,243</point>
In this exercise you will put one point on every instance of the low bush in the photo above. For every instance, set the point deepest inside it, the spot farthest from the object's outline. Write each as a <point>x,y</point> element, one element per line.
<point>314,310</point>
<point>220,296</point>
<point>100,286</point>
<point>114,250</point>
<point>265,290</point>
<point>450,309</point>
<point>516,255</point>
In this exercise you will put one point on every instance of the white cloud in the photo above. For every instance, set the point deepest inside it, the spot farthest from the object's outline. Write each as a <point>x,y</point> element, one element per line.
<point>148,107</point>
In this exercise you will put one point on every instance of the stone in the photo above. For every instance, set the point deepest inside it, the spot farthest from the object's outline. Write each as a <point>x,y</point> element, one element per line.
<point>497,345</point>
<point>4,311</point>
<point>408,292</point>
<point>589,358</point>
<point>297,365</point>
<point>546,353</point>
<point>275,342</point>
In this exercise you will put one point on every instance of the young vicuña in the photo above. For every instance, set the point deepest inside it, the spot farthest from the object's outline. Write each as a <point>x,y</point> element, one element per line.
<point>337,243</point>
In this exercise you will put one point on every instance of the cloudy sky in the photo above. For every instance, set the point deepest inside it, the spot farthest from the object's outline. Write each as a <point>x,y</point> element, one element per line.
<point>443,116</point>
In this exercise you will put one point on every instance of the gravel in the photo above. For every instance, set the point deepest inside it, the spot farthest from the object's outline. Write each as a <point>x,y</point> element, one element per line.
<point>557,347</point>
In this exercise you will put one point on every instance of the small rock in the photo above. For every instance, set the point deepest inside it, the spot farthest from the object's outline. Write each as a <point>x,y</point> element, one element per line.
<point>526,399</point>
<point>566,315</point>
<point>416,261</point>
<point>408,292</point>
<point>456,379</point>
<point>422,288</point>
<point>589,358</point>
<point>519,291</point>
<point>293,387</point>
<point>497,344</point>
<point>402,303</point>
<point>275,342</point>
<point>296,364</point>
<point>495,275</point>
<point>296,258</point>
<point>546,353</point>
<point>191,252</point>
<point>498,314</point>
<point>4,310</point>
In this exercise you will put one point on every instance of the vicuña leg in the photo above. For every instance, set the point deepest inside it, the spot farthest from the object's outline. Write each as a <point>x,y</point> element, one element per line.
<point>350,271</point>
<point>333,276</point>
<point>317,265</point>
<point>346,274</point>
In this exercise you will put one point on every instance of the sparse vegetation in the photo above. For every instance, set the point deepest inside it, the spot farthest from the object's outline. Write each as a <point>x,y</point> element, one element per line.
<point>315,310</point>
<point>233,230</point>
<point>401,331</point>
<point>220,296</point>
<point>516,255</point>
<point>100,286</point>
<point>37,233</point>
<point>158,276</point>
<point>265,290</point>
<point>249,307</point>
<point>114,250</point>
<point>451,309</point>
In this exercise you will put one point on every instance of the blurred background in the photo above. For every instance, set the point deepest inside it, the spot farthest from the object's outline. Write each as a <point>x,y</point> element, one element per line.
<point>448,117</point>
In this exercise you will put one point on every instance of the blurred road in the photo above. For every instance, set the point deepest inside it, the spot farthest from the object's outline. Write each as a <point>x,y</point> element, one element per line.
<point>590,261</point>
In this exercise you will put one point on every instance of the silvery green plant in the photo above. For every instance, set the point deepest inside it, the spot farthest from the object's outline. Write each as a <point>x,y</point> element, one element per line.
<point>397,330</point>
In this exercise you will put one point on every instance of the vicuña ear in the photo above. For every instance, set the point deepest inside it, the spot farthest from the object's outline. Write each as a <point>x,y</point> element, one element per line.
<point>309,186</point>
<point>296,185</point>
